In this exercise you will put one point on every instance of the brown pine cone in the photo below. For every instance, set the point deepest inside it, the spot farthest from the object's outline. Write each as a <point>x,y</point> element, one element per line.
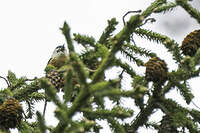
<point>156,70</point>
<point>56,79</point>
<point>10,114</point>
<point>191,43</point>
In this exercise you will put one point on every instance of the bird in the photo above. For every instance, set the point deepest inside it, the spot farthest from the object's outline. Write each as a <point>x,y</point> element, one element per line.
<point>54,74</point>
<point>58,59</point>
<point>53,70</point>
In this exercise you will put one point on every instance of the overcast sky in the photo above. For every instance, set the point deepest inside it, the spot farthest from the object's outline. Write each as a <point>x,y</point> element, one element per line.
<point>29,30</point>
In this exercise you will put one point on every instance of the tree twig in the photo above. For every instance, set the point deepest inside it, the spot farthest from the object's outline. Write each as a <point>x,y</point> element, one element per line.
<point>5,80</point>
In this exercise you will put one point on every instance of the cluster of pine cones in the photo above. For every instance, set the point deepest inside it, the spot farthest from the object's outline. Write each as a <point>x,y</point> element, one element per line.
<point>156,69</point>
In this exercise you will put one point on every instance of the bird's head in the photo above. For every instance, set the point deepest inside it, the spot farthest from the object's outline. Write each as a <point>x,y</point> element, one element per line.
<point>59,50</point>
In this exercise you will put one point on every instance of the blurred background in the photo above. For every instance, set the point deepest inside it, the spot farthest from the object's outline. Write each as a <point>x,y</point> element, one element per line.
<point>29,32</point>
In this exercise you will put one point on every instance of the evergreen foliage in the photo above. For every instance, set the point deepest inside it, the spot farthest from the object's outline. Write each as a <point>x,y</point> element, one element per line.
<point>85,76</point>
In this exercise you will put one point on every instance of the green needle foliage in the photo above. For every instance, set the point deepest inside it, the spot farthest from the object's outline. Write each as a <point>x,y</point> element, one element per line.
<point>86,82</point>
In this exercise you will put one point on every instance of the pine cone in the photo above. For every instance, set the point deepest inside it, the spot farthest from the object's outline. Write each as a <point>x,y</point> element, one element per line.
<point>10,114</point>
<point>156,70</point>
<point>191,43</point>
<point>56,79</point>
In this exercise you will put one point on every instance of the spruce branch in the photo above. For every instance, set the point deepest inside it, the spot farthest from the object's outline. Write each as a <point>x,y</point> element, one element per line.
<point>79,68</point>
<point>64,120</point>
<point>153,125</point>
<point>5,80</point>
<point>24,92</point>
<point>82,76</point>
<point>124,34</point>
<point>170,44</point>
<point>125,67</point>
<point>116,126</point>
<point>41,122</point>
<point>51,92</point>
<point>116,42</point>
<point>117,112</point>
<point>185,92</point>
<point>62,112</point>
<point>189,9</point>
<point>30,110</point>
<point>25,127</point>
<point>177,76</point>
<point>132,58</point>
<point>195,60</point>
<point>142,117</point>
<point>196,115</point>
<point>79,101</point>
<point>92,64</point>
<point>89,125</point>
<point>138,50</point>
<point>66,32</point>
<point>15,82</point>
<point>144,114</point>
<point>149,10</point>
<point>84,125</point>
<point>123,18</point>
<point>107,33</point>
<point>35,96</point>
<point>179,114</point>
<point>165,7</point>
<point>68,88</point>
<point>118,92</point>
<point>104,85</point>
<point>86,41</point>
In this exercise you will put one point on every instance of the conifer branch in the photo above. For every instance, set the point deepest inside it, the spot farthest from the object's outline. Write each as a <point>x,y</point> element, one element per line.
<point>5,80</point>
<point>25,128</point>
<point>118,92</point>
<point>68,87</point>
<point>185,92</point>
<point>24,92</point>
<point>84,40</point>
<point>92,64</point>
<point>170,44</point>
<point>107,33</point>
<point>30,110</point>
<point>124,34</point>
<point>117,112</point>
<point>138,50</point>
<point>132,58</point>
<point>165,7</point>
<point>79,68</point>
<point>142,117</point>
<point>125,67</point>
<point>36,96</point>
<point>180,115</point>
<point>66,32</point>
<point>149,10</point>
<point>117,41</point>
<point>189,9</point>
<point>178,76</point>
<point>116,126</point>
<point>104,85</point>
<point>41,122</point>
<point>196,115</point>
